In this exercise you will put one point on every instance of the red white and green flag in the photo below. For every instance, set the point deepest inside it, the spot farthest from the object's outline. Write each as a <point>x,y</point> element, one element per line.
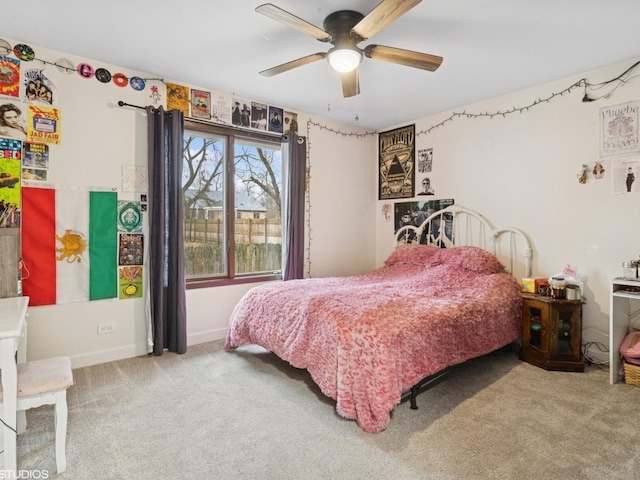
<point>69,245</point>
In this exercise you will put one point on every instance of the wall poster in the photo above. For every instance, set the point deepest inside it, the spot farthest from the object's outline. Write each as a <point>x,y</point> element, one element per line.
<point>619,129</point>
<point>178,98</point>
<point>415,213</point>
<point>396,156</point>
<point>43,124</point>
<point>200,104</point>
<point>625,170</point>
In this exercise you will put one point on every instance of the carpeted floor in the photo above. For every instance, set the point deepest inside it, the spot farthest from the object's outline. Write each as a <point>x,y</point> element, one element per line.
<point>211,414</point>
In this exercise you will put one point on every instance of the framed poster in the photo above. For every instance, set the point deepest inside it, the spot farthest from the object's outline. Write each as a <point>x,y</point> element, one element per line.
<point>396,156</point>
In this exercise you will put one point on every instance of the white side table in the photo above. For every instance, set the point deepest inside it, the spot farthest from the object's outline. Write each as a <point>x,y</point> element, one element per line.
<point>624,311</point>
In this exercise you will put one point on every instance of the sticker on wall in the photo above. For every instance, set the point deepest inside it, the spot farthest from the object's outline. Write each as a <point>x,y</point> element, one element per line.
<point>155,96</point>
<point>38,87</point>
<point>129,282</point>
<point>583,173</point>
<point>5,47</point>
<point>85,70</point>
<point>134,179</point>
<point>10,148</point>
<point>43,124</point>
<point>120,79</point>
<point>11,170</point>
<point>65,66</point>
<point>131,249</point>
<point>386,210</point>
<point>35,174</point>
<point>24,52</point>
<point>137,83</point>
<point>35,162</point>
<point>426,187</point>
<point>36,155</point>
<point>14,116</point>
<point>129,217</point>
<point>9,77</point>
<point>103,75</point>
<point>600,169</point>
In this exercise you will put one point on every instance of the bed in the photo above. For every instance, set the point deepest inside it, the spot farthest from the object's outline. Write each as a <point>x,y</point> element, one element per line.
<point>446,293</point>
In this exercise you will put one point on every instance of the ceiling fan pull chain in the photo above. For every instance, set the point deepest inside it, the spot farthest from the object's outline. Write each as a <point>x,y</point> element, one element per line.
<point>329,88</point>
<point>357,83</point>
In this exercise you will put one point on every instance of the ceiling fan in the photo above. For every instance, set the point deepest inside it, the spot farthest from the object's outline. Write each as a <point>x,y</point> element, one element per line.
<point>344,29</point>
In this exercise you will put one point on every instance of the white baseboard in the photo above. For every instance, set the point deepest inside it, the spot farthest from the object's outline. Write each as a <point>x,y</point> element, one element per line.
<point>208,336</point>
<point>104,356</point>
<point>130,351</point>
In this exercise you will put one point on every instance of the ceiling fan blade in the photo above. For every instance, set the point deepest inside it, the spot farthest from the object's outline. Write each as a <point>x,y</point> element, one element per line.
<point>282,16</point>
<point>270,72</point>
<point>386,12</point>
<point>403,57</point>
<point>350,84</point>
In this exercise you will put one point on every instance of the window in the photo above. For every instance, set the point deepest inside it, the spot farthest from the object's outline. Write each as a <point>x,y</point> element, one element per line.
<point>232,187</point>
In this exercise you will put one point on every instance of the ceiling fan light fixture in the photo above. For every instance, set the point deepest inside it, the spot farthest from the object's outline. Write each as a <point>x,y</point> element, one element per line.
<point>344,60</point>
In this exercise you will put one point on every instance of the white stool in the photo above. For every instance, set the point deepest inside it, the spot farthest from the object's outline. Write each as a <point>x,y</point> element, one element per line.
<point>45,382</point>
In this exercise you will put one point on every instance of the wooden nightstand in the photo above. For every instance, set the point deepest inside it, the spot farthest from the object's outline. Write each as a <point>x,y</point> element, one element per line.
<point>552,333</point>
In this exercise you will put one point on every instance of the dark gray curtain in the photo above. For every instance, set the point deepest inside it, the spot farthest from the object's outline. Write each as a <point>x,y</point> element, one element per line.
<point>293,236</point>
<point>166,302</point>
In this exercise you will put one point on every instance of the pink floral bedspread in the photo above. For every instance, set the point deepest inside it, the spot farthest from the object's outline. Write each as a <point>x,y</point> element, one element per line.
<point>367,339</point>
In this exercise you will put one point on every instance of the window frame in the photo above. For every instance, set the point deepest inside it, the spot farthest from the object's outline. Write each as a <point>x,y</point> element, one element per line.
<point>231,134</point>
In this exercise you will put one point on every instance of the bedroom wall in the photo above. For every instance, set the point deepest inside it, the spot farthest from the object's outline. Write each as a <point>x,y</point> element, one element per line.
<point>99,137</point>
<point>521,170</point>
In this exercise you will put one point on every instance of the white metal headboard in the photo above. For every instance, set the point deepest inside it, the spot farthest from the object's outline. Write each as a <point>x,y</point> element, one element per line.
<point>464,227</point>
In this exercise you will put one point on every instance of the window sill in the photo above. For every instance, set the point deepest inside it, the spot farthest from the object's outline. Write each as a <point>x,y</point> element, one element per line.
<point>222,282</point>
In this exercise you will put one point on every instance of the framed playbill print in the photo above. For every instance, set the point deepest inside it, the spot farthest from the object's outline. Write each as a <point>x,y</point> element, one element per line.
<point>396,157</point>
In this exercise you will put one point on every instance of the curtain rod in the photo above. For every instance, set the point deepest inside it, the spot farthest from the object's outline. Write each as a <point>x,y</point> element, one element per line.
<point>124,104</point>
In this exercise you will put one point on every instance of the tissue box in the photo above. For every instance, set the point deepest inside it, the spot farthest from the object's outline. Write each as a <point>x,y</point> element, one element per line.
<point>530,285</point>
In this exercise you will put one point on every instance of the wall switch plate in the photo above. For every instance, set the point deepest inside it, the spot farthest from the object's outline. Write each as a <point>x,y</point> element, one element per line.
<point>106,328</point>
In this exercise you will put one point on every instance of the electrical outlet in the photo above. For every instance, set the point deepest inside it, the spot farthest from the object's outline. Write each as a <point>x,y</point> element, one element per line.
<point>106,328</point>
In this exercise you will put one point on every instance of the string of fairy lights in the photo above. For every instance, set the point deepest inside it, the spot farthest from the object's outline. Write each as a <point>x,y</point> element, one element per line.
<point>591,90</point>
<point>591,94</point>
<point>312,124</point>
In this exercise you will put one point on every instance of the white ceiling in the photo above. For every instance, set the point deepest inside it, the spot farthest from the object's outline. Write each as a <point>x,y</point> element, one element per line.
<point>490,47</point>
